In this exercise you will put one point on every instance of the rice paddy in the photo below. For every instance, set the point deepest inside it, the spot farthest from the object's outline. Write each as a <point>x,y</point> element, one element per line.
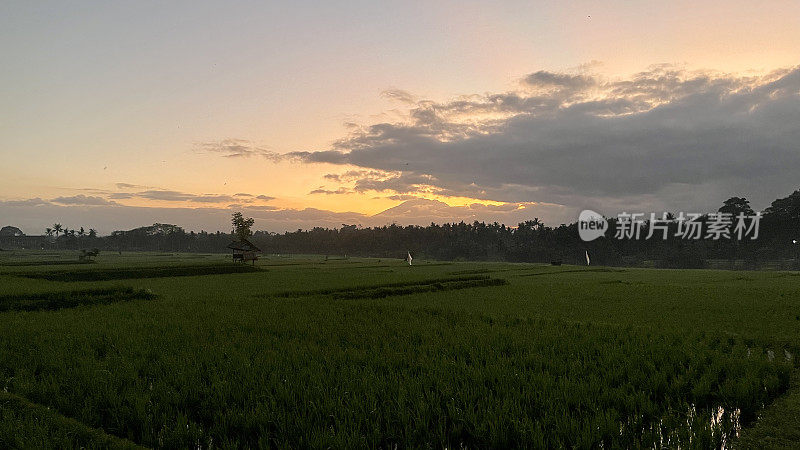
<point>176,351</point>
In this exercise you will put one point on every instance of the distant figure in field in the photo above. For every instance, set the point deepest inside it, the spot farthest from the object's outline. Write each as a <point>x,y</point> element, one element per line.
<point>409,258</point>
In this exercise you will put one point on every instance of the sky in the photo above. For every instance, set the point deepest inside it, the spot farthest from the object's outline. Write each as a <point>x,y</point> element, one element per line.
<point>122,114</point>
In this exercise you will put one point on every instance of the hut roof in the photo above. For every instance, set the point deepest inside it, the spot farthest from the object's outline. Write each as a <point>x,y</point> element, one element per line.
<point>243,245</point>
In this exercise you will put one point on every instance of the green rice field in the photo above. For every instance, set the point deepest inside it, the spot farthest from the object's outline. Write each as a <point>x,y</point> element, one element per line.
<point>166,350</point>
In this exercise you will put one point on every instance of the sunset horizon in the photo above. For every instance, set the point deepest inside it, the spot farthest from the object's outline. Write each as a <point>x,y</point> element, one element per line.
<point>115,117</point>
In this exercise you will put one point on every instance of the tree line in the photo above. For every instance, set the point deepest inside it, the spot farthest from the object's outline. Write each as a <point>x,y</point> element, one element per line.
<point>67,232</point>
<point>529,241</point>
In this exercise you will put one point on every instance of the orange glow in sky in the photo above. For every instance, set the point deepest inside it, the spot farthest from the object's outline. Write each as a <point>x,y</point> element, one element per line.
<point>95,97</point>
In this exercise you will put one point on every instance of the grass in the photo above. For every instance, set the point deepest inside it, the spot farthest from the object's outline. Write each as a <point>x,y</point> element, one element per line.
<point>356,353</point>
<point>27,425</point>
<point>779,425</point>
<point>70,299</point>
<point>56,262</point>
<point>398,288</point>
<point>139,272</point>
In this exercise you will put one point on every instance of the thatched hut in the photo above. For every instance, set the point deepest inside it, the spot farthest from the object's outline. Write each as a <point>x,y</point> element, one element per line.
<point>244,250</point>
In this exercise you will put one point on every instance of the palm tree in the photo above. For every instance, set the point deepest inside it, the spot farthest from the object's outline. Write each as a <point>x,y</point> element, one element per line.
<point>81,232</point>
<point>57,228</point>
<point>92,232</point>
<point>48,231</point>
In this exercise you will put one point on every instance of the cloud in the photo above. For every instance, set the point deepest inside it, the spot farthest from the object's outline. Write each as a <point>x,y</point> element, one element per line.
<point>28,202</point>
<point>121,195</point>
<point>134,191</point>
<point>402,183</point>
<point>169,196</point>
<point>658,138</point>
<point>425,211</point>
<point>166,195</point>
<point>130,186</point>
<point>90,190</point>
<point>399,95</point>
<point>325,156</point>
<point>401,197</point>
<point>237,148</point>
<point>215,198</point>
<point>341,190</point>
<point>352,175</point>
<point>83,200</point>
<point>544,79</point>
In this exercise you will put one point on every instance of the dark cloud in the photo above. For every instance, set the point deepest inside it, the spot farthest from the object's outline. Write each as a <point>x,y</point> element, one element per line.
<point>662,137</point>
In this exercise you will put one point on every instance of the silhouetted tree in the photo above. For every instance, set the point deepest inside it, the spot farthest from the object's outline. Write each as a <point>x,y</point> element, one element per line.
<point>735,206</point>
<point>787,208</point>
<point>241,225</point>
